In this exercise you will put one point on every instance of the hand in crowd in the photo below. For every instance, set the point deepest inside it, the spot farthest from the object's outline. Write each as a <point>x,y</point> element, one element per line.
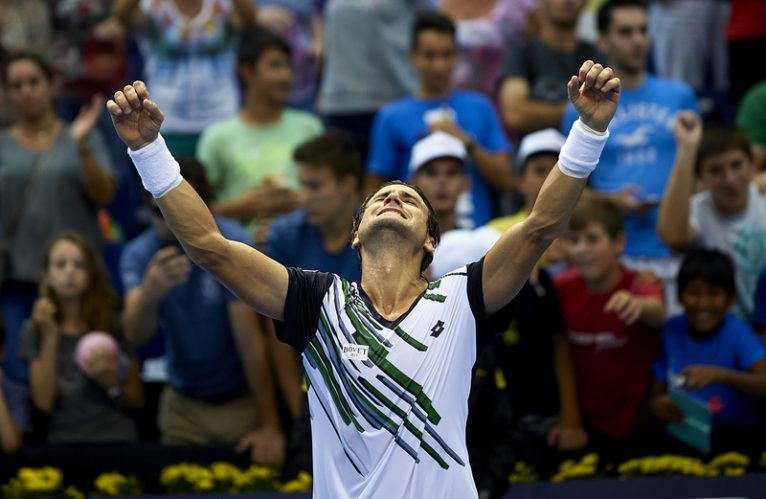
<point>450,126</point>
<point>699,376</point>
<point>275,18</point>
<point>266,445</point>
<point>594,92</point>
<point>169,268</point>
<point>565,438</point>
<point>111,29</point>
<point>86,119</point>
<point>267,201</point>
<point>628,201</point>
<point>102,366</point>
<point>628,306</point>
<point>687,129</point>
<point>44,316</point>
<point>665,409</point>
<point>136,118</point>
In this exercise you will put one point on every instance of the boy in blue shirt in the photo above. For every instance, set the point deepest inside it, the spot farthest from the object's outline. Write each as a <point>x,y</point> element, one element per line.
<point>715,356</point>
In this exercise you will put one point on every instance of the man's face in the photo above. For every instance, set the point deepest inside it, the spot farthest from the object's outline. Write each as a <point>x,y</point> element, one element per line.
<point>272,76</point>
<point>727,176</point>
<point>626,42</point>
<point>442,180</point>
<point>563,13</point>
<point>434,58</point>
<point>323,196</point>
<point>535,172</point>
<point>593,251</point>
<point>398,209</point>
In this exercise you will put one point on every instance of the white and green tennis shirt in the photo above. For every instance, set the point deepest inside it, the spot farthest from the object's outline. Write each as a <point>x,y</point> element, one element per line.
<point>388,401</point>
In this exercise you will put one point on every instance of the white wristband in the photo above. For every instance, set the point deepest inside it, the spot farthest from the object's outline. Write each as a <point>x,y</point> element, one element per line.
<point>158,169</point>
<point>581,151</point>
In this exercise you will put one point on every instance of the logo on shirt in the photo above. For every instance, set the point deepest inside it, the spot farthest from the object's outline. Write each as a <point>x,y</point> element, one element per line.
<point>437,329</point>
<point>602,340</point>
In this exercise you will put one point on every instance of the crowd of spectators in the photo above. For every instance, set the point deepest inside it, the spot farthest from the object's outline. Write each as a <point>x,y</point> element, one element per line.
<point>285,114</point>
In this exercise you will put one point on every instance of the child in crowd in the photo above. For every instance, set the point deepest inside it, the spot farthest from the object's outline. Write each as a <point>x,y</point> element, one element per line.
<point>14,408</point>
<point>717,357</point>
<point>612,315</point>
<point>84,390</point>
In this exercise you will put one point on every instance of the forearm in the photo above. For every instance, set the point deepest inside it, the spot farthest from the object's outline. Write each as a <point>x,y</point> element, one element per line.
<point>246,11</point>
<point>568,406</point>
<point>286,366</point>
<point>99,186</point>
<point>528,115</point>
<point>130,388</point>
<point>251,344</point>
<point>652,312</point>
<point>752,383</point>
<point>141,318</point>
<point>673,216</point>
<point>494,167</point>
<point>123,9</point>
<point>43,371</point>
<point>10,433</point>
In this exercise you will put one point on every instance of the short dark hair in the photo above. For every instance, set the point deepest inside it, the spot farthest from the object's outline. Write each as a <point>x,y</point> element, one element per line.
<point>432,224</point>
<point>254,42</point>
<point>333,149</point>
<point>594,208</point>
<point>431,21</point>
<point>604,17</point>
<point>719,138</point>
<point>33,57</point>
<point>712,266</point>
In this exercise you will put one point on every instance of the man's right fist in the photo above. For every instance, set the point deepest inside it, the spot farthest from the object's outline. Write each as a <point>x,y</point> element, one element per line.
<point>135,117</point>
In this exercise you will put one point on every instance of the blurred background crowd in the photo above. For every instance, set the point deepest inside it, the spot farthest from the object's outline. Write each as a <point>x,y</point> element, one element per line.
<point>285,114</point>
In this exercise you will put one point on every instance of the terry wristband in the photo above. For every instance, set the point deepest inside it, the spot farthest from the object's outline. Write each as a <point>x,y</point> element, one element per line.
<point>158,169</point>
<point>581,151</point>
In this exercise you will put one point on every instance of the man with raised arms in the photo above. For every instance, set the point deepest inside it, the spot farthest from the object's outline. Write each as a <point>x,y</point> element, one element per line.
<point>388,359</point>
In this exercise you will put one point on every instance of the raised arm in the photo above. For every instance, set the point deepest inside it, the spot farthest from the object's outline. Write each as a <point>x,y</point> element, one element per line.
<point>673,217</point>
<point>594,91</point>
<point>255,278</point>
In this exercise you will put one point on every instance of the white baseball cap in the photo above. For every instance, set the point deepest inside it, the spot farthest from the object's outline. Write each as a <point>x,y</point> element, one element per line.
<point>436,145</point>
<point>548,140</point>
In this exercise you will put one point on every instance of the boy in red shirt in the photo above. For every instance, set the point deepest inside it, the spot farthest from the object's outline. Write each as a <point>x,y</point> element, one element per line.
<point>613,316</point>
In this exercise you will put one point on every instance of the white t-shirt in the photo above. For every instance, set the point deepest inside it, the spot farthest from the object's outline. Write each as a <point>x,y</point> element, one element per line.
<point>741,236</point>
<point>388,401</point>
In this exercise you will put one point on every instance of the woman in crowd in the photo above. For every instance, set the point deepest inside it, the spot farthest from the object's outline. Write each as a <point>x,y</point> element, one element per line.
<point>53,176</point>
<point>80,373</point>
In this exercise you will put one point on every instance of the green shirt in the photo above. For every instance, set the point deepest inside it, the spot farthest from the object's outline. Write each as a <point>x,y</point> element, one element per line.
<point>751,116</point>
<point>239,156</point>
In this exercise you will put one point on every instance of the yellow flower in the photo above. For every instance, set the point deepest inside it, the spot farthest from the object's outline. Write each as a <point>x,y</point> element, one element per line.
<point>591,458</point>
<point>72,492</point>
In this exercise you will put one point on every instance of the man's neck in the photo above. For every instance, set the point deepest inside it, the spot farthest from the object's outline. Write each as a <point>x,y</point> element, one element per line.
<point>390,278</point>
<point>557,37</point>
<point>607,283</point>
<point>447,221</point>
<point>261,111</point>
<point>433,93</point>
<point>628,78</point>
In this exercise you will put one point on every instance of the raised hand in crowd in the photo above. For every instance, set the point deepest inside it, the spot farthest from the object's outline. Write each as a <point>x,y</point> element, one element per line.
<point>169,268</point>
<point>86,119</point>
<point>44,316</point>
<point>628,306</point>
<point>687,130</point>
